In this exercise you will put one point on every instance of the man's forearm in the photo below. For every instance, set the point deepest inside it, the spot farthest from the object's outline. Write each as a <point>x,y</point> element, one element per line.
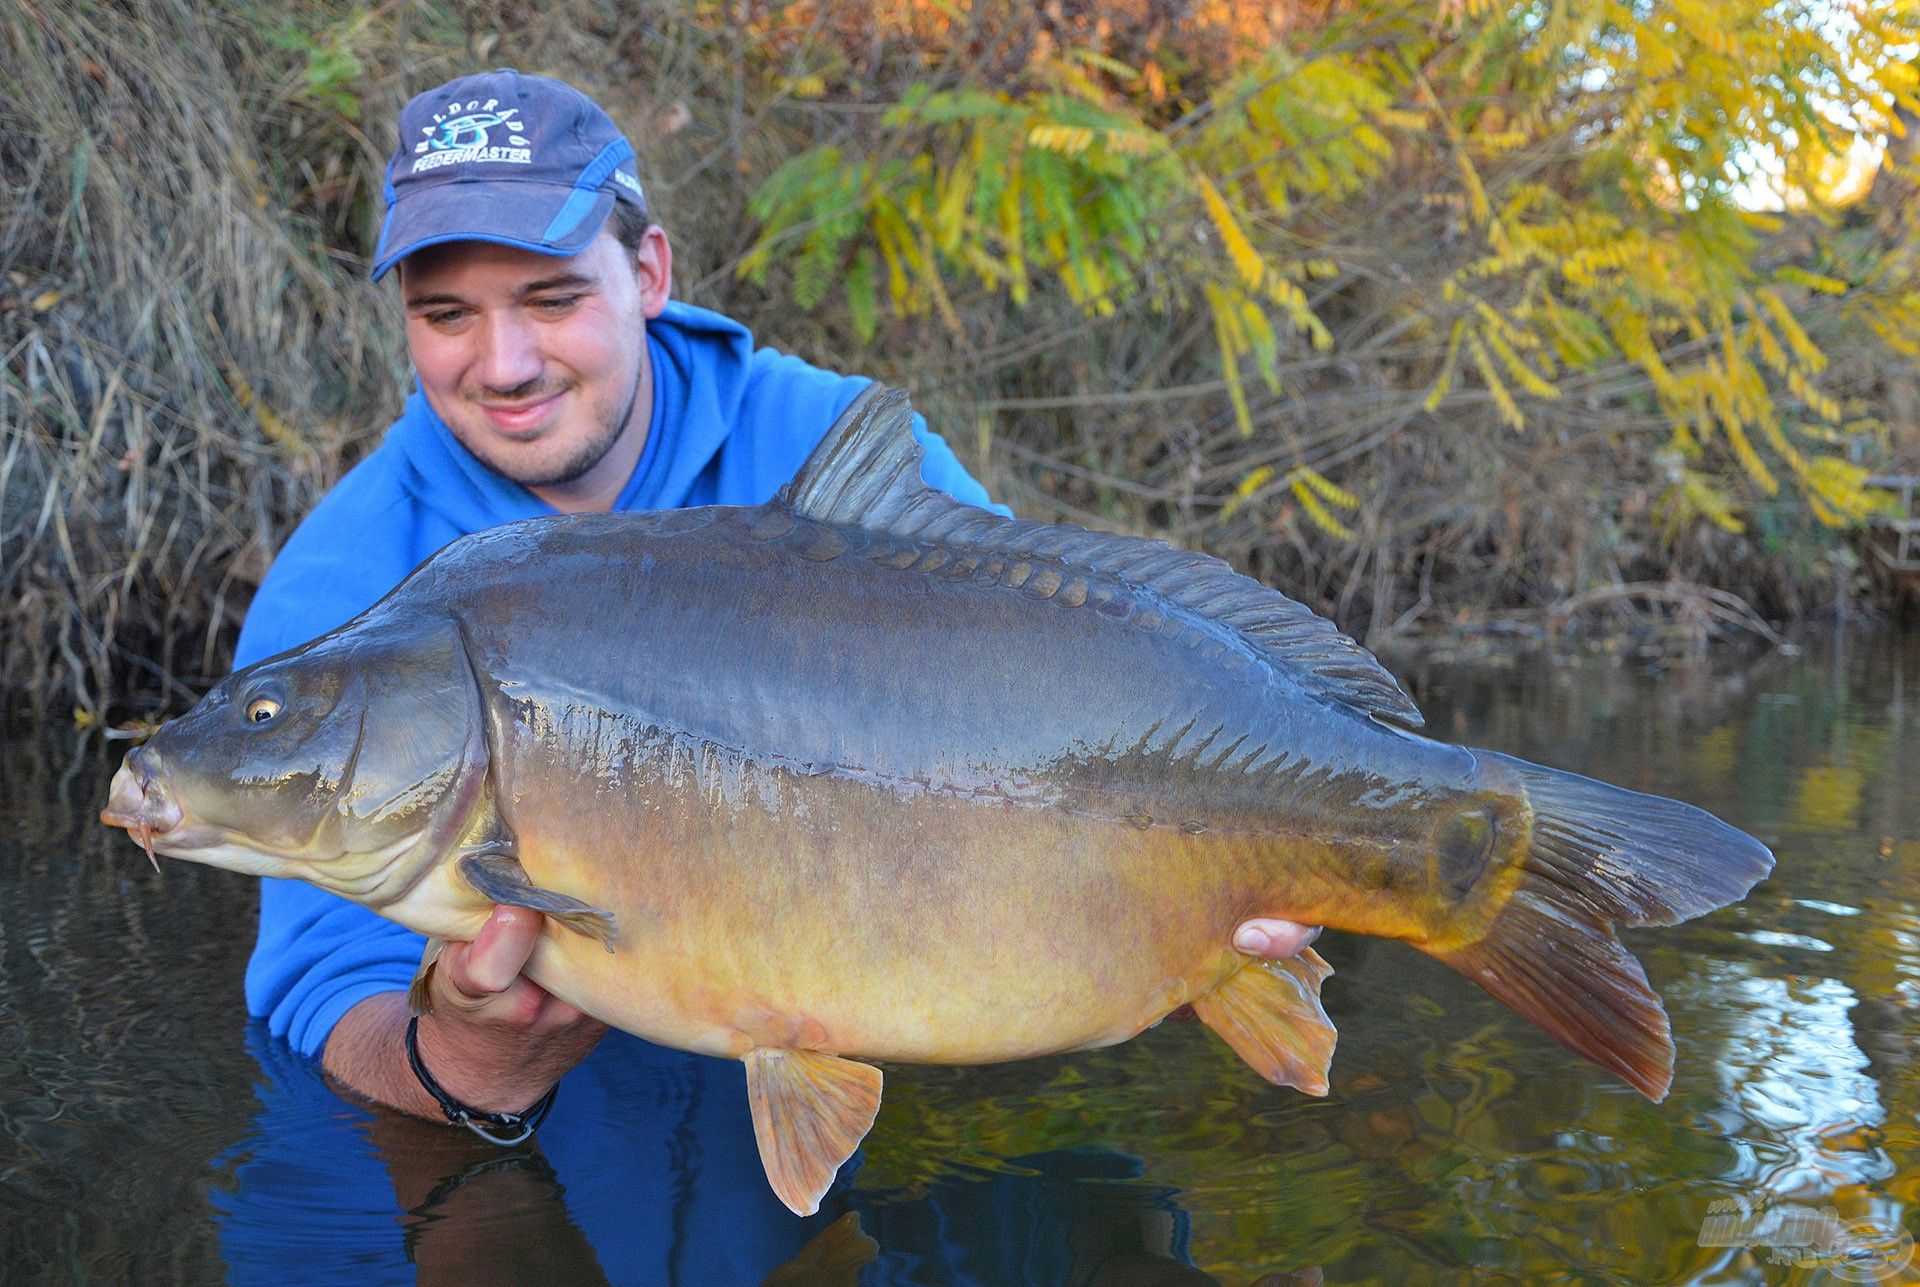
<point>494,1040</point>
<point>482,1066</point>
<point>366,1052</point>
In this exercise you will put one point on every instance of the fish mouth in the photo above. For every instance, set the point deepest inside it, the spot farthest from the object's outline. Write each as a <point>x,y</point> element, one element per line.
<point>142,806</point>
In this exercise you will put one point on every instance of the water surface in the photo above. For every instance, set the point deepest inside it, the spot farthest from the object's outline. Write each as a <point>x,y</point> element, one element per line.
<point>149,1132</point>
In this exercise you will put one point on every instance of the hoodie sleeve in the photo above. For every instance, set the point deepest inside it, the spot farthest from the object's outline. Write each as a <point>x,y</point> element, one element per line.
<point>318,955</point>
<point>792,404</point>
<point>942,470</point>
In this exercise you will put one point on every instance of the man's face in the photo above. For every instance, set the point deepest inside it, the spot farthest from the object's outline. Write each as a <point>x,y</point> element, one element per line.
<point>537,363</point>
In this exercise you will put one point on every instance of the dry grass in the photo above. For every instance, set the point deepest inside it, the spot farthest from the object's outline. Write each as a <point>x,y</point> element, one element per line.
<point>182,355</point>
<point>189,352</point>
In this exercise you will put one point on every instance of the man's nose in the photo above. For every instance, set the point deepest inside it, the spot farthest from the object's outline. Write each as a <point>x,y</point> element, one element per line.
<point>510,355</point>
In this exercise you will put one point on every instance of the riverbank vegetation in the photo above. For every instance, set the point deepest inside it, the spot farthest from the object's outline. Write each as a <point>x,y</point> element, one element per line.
<point>1428,314</point>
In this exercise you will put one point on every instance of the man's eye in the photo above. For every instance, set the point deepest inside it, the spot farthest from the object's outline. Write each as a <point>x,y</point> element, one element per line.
<point>556,303</point>
<point>445,316</point>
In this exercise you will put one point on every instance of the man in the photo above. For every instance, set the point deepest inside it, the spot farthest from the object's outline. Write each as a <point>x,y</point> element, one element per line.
<point>555,375</point>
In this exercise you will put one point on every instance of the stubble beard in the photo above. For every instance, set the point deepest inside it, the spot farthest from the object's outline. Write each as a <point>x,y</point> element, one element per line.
<point>589,453</point>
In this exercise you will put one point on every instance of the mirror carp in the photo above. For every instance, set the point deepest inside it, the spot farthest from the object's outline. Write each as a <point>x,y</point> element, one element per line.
<point>986,789</point>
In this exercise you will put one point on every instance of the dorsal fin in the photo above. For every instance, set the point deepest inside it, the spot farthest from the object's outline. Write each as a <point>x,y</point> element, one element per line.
<point>866,473</point>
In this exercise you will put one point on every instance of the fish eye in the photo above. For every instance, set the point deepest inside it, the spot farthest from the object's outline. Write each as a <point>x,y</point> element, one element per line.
<point>262,709</point>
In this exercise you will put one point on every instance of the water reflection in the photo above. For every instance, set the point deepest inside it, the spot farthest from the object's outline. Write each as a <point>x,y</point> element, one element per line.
<point>645,1171</point>
<point>146,1131</point>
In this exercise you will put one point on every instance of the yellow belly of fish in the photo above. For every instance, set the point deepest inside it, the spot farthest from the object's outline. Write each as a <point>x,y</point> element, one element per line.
<point>936,929</point>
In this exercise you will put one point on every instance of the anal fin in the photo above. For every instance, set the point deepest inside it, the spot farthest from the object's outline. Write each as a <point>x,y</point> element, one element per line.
<point>810,1112</point>
<point>1270,1013</point>
<point>501,878</point>
<point>835,1257</point>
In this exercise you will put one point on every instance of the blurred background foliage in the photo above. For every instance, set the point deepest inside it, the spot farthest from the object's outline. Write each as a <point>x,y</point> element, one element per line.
<point>1433,315</point>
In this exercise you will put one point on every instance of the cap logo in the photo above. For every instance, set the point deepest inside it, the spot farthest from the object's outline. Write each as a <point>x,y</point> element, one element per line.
<point>463,132</point>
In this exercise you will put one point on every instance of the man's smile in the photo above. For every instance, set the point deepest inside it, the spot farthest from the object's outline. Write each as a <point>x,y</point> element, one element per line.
<point>522,419</point>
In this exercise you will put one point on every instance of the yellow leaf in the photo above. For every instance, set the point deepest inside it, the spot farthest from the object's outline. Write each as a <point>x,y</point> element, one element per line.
<point>1068,140</point>
<point>1132,142</point>
<point>1400,118</point>
<point>1842,485</point>
<point>1703,497</point>
<point>44,300</point>
<point>1528,378</point>
<point>1260,340</point>
<point>1817,402</point>
<point>950,213</point>
<point>1244,490</point>
<point>1444,381</point>
<point>1246,260</point>
<point>1502,140</point>
<point>1104,62</point>
<point>1232,342</point>
<point>1326,488</point>
<point>1762,338</point>
<point>890,234</point>
<point>1477,201</point>
<point>1322,517</point>
<point>1812,281</point>
<point>1749,459</point>
<point>1496,387</point>
<point>272,425</point>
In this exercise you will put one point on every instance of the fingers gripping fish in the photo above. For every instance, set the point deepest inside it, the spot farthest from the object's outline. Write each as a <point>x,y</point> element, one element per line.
<point>992,789</point>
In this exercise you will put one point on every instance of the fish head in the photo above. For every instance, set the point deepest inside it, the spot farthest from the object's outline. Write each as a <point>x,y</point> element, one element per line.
<point>350,763</point>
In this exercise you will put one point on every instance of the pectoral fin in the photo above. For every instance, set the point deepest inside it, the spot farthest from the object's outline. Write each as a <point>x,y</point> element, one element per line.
<point>1270,1014</point>
<point>810,1112</point>
<point>420,991</point>
<point>501,878</point>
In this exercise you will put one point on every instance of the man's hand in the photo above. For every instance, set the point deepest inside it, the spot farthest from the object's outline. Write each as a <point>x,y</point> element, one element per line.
<point>1274,939</point>
<point>495,1041</point>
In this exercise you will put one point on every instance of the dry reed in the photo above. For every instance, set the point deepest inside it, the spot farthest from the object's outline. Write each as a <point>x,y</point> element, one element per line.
<point>189,352</point>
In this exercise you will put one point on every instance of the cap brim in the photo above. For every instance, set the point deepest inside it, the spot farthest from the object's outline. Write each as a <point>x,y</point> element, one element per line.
<point>546,218</point>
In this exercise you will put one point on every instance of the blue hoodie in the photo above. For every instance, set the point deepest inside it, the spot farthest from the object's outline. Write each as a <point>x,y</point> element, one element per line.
<point>730,424</point>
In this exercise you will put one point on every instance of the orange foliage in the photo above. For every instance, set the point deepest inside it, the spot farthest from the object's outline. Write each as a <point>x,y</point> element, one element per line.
<point>1002,44</point>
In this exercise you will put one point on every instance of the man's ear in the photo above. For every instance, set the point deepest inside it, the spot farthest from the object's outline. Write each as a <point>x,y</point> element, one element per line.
<point>653,264</point>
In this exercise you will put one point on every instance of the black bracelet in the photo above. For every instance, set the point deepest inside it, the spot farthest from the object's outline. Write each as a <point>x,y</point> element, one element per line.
<point>474,1119</point>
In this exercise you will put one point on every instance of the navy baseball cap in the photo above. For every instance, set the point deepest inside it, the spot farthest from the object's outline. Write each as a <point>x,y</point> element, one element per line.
<point>504,157</point>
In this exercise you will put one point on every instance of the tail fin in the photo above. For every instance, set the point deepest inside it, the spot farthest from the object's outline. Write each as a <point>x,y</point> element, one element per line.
<point>1600,855</point>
